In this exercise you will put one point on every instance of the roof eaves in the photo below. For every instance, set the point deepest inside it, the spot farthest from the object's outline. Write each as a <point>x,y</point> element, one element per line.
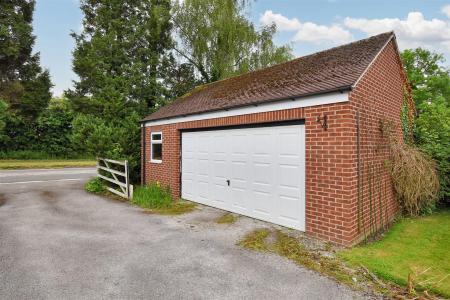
<point>339,89</point>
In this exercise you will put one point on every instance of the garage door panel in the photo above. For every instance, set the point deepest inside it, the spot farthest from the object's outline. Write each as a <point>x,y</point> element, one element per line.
<point>261,145</point>
<point>239,197</point>
<point>238,170</point>
<point>189,166</point>
<point>203,185</point>
<point>261,201</point>
<point>240,143</point>
<point>187,193</point>
<point>261,195</point>
<point>288,176</point>
<point>288,209</point>
<point>261,174</point>
<point>290,141</point>
<point>265,166</point>
<point>219,198</point>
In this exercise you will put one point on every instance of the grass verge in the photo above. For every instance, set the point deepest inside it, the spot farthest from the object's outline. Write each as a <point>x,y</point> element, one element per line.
<point>44,163</point>
<point>227,218</point>
<point>415,248</point>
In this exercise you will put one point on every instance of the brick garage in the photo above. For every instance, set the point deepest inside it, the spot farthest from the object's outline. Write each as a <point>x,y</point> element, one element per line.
<point>336,100</point>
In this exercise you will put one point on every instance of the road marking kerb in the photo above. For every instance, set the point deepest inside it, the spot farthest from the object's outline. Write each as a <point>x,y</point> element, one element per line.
<point>40,181</point>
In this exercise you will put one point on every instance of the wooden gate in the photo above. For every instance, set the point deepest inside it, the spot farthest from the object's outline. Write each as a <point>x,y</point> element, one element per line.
<point>116,173</point>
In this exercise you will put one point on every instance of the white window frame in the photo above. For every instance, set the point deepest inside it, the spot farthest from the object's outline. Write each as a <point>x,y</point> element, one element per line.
<point>152,142</point>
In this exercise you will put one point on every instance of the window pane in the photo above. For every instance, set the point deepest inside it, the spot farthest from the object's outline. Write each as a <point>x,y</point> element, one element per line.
<point>156,137</point>
<point>157,151</point>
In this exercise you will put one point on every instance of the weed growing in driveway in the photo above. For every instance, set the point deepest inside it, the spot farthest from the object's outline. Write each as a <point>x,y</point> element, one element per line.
<point>285,245</point>
<point>227,218</point>
<point>176,208</point>
<point>95,185</point>
<point>152,196</point>
<point>255,240</point>
<point>157,199</point>
<point>290,247</point>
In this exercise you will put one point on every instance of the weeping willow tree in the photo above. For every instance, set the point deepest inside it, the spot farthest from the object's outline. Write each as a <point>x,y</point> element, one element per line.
<point>217,39</point>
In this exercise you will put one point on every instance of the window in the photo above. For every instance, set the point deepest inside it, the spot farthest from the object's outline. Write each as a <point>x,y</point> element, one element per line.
<point>156,150</point>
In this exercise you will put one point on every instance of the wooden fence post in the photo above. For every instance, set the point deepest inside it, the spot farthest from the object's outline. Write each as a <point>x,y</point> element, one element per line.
<point>127,179</point>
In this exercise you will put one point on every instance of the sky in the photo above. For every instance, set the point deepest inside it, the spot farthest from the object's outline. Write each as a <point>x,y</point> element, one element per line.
<point>307,25</point>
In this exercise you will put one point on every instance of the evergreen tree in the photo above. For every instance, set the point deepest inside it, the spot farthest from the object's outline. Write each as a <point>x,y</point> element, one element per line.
<point>23,83</point>
<point>118,56</point>
<point>179,78</point>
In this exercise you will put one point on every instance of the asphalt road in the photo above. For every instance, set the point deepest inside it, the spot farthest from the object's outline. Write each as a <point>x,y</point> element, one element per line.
<point>59,242</point>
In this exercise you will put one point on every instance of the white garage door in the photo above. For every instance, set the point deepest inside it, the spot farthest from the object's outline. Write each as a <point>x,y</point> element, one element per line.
<point>257,172</point>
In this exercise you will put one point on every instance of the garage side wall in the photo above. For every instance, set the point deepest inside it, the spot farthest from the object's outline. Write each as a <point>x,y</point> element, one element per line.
<point>378,96</point>
<point>330,164</point>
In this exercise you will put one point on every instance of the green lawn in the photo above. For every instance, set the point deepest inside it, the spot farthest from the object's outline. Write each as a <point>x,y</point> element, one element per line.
<point>412,245</point>
<point>45,163</point>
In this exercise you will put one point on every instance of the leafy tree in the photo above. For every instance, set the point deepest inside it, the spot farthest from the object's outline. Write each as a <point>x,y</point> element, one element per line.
<point>217,39</point>
<point>23,83</point>
<point>54,127</point>
<point>433,137</point>
<point>118,139</point>
<point>3,117</point>
<point>16,39</point>
<point>18,134</point>
<point>430,82</point>
<point>428,79</point>
<point>179,78</point>
<point>118,56</point>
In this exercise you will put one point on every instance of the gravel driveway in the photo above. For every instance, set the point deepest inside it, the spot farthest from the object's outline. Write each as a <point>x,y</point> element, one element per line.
<point>59,242</point>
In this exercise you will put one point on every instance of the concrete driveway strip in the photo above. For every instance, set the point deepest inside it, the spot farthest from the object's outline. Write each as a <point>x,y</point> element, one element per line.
<point>59,242</point>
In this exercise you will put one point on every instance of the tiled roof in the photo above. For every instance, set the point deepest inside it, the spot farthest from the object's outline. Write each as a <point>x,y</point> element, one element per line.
<point>329,70</point>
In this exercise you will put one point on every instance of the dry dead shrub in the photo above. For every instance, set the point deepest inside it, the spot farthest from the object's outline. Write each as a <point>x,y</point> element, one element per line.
<point>413,174</point>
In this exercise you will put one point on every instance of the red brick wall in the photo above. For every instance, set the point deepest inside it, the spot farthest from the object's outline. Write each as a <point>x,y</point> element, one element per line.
<point>377,97</point>
<point>330,164</point>
<point>330,173</point>
<point>331,155</point>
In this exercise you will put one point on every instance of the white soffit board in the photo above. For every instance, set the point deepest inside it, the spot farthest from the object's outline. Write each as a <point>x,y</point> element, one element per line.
<point>328,98</point>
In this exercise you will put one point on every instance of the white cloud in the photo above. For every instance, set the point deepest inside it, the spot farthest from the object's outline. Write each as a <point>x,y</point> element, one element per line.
<point>312,32</point>
<point>414,31</point>
<point>446,10</point>
<point>308,31</point>
<point>283,23</point>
